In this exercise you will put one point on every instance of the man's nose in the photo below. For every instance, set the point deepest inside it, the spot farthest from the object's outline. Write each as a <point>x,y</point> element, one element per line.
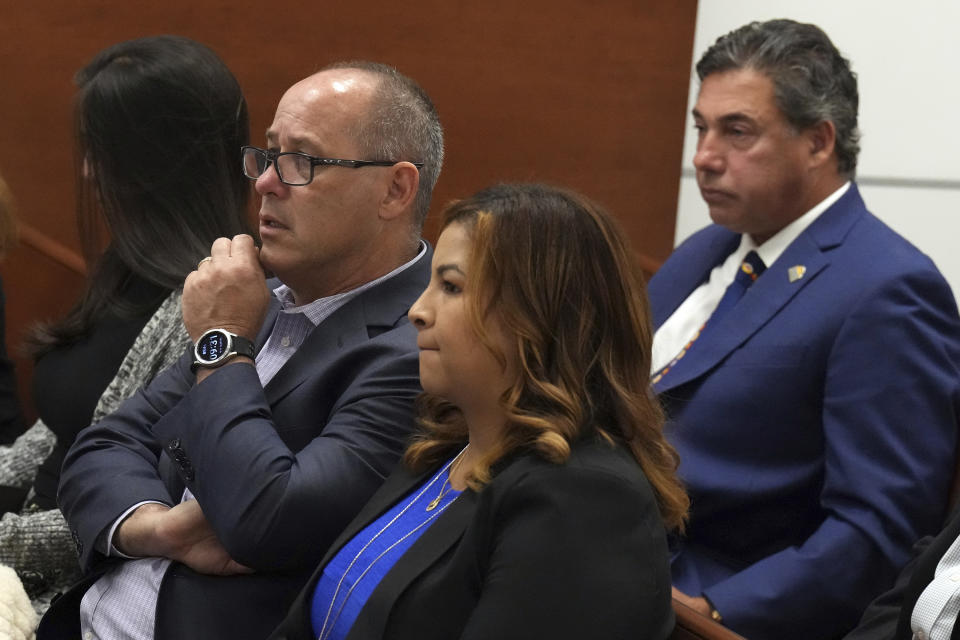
<point>708,157</point>
<point>269,181</point>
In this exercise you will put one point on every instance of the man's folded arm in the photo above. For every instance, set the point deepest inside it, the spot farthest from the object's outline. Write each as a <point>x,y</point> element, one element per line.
<point>274,508</point>
<point>113,464</point>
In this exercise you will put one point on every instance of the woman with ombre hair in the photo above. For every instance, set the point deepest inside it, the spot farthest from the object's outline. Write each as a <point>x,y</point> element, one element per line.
<point>536,498</point>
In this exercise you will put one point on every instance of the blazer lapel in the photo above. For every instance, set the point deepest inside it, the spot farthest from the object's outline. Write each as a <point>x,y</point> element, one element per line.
<point>346,327</point>
<point>674,287</point>
<point>770,293</point>
<point>268,321</point>
<point>372,312</point>
<point>397,485</point>
<point>442,534</point>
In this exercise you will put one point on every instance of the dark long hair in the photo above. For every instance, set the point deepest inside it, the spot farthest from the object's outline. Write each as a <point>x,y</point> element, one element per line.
<point>159,123</point>
<point>559,275</point>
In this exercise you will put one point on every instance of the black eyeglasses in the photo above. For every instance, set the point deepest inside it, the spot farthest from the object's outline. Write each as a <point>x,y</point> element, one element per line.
<point>295,168</point>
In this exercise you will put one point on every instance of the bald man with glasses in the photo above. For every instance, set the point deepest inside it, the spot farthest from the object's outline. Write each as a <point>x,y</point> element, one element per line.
<point>198,507</point>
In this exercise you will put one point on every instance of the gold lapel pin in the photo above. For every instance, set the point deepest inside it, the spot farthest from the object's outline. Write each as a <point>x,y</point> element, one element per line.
<point>795,273</point>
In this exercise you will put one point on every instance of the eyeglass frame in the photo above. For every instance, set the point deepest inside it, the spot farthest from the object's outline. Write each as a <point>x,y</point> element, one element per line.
<point>315,161</point>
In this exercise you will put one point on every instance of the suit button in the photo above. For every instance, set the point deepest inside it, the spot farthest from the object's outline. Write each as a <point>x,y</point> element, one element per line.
<point>174,445</point>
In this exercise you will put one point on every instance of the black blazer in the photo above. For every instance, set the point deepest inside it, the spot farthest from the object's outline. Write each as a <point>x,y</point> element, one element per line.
<point>576,551</point>
<point>888,617</point>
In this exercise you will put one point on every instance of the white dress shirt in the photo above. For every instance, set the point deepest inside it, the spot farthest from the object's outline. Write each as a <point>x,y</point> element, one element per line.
<point>674,334</point>
<point>937,608</point>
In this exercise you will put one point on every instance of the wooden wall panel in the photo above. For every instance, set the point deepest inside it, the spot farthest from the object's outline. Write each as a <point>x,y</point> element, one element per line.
<point>584,93</point>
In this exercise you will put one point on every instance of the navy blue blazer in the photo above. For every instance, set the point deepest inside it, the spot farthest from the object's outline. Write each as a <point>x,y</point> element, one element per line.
<point>816,423</point>
<point>560,551</point>
<point>279,470</point>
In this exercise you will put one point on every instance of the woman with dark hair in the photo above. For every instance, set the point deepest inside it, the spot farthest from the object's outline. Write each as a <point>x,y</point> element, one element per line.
<point>159,126</point>
<point>536,498</point>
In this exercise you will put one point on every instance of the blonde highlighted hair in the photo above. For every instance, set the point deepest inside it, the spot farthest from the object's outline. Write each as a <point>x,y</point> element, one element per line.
<point>556,271</point>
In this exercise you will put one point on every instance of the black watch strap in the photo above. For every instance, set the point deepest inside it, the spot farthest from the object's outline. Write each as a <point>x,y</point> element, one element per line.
<point>218,346</point>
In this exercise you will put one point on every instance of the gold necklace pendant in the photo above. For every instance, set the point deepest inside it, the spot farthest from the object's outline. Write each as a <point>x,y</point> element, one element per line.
<point>446,487</point>
<point>331,617</point>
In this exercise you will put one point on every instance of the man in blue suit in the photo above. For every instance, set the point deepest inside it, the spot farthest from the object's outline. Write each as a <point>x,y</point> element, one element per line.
<point>201,505</point>
<point>806,354</point>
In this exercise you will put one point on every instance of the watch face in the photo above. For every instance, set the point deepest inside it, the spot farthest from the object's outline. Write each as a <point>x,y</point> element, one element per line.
<point>212,345</point>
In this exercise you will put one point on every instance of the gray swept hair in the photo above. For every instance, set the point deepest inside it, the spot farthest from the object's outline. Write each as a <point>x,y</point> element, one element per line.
<point>402,124</point>
<point>812,81</point>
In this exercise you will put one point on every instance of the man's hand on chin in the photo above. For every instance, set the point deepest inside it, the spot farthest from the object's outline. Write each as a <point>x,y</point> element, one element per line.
<point>181,533</point>
<point>227,291</point>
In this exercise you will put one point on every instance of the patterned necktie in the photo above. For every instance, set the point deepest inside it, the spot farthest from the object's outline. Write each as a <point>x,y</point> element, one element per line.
<point>750,269</point>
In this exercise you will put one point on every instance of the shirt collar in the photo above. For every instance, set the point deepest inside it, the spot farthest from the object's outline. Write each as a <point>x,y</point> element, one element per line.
<point>770,250</point>
<point>321,308</point>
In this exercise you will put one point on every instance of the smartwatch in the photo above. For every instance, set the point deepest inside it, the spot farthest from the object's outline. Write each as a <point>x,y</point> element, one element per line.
<point>217,346</point>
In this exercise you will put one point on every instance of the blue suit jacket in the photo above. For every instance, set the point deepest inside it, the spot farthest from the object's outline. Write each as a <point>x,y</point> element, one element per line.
<point>816,423</point>
<point>279,470</point>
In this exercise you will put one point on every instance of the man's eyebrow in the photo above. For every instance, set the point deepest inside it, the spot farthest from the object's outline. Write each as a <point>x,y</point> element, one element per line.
<point>294,142</point>
<point>739,116</point>
<point>728,118</point>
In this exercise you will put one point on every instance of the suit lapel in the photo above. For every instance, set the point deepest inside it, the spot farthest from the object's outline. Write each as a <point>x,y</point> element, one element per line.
<point>372,312</point>
<point>770,293</point>
<point>272,310</point>
<point>439,537</point>
<point>399,484</point>
<point>346,327</point>
<point>674,287</point>
<point>443,533</point>
<point>761,302</point>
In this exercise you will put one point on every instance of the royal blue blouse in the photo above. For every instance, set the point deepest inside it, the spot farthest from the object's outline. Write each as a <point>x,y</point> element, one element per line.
<point>354,572</point>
